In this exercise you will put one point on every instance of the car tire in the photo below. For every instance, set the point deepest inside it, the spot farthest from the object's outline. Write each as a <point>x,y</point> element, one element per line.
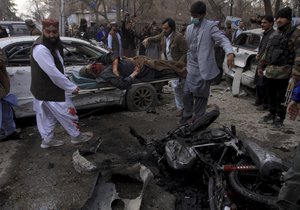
<point>141,97</point>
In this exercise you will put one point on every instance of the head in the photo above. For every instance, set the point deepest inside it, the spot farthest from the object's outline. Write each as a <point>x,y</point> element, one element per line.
<point>29,23</point>
<point>51,32</point>
<point>283,18</point>
<point>96,68</point>
<point>114,26</point>
<point>241,24</point>
<point>198,11</point>
<point>267,22</point>
<point>168,26</point>
<point>228,24</point>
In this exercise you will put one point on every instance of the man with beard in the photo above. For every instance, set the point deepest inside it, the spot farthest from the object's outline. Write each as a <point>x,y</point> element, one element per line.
<point>174,48</point>
<point>279,62</point>
<point>49,86</point>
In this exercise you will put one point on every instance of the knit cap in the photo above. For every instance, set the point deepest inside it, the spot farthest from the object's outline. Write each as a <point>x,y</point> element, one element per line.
<point>285,13</point>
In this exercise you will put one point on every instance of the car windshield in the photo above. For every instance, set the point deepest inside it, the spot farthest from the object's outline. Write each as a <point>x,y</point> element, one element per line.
<point>74,53</point>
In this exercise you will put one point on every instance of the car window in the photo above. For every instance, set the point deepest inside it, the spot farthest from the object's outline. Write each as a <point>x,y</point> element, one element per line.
<point>16,29</point>
<point>18,54</point>
<point>78,53</point>
<point>247,40</point>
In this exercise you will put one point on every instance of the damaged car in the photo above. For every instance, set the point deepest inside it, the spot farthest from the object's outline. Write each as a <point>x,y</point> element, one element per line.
<point>245,48</point>
<point>76,54</point>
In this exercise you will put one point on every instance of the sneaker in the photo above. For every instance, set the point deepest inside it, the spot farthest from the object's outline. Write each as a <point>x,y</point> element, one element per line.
<point>278,122</point>
<point>52,143</point>
<point>83,137</point>
<point>269,118</point>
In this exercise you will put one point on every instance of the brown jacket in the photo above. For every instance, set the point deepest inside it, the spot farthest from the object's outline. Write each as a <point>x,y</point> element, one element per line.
<point>178,45</point>
<point>4,79</point>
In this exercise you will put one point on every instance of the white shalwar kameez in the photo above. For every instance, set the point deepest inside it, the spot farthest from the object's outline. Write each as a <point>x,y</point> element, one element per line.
<point>49,112</point>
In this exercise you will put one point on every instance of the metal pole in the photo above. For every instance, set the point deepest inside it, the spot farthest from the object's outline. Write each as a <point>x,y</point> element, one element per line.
<point>62,18</point>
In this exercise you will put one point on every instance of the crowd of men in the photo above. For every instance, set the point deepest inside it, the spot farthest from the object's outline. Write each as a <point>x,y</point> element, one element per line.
<point>278,62</point>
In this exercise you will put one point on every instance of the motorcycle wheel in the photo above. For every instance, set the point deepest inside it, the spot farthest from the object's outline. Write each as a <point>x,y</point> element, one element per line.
<point>253,190</point>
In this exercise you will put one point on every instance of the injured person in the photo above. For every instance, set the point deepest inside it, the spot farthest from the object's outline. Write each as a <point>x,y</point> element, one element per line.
<point>121,73</point>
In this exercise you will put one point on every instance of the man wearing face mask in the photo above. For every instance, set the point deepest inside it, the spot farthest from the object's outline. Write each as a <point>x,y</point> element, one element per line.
<point>174,48</point>
<point>279,63</point>
<point>202,36</point>
<point>49,86</point>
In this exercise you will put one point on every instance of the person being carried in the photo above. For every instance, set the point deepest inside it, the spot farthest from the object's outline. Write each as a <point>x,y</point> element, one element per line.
<point>49,87</point>
<point>121,73</point>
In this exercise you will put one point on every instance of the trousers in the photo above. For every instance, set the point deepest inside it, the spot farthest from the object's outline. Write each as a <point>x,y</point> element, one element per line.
<point>48,113</point>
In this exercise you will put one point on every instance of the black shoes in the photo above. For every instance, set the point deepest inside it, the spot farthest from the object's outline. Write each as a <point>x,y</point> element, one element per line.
<point>269,118</point>
<point>275,121</point>
<point>14,136</point>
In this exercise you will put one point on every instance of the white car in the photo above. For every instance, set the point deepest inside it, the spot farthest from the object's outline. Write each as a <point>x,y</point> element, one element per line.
<point>245,48</point>
<point>76,53</point>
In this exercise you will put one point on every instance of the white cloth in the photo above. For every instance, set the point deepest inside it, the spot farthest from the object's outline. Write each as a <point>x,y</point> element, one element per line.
<point>49,112</point>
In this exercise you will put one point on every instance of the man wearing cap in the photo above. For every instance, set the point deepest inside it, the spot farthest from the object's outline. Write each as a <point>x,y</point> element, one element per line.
<point>280,61</point>
<point>50,87</point>
<point>33,31</point>
<point>202,36</point>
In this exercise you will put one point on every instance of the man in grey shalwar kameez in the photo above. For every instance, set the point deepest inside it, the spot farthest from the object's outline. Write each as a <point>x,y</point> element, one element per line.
<point>202,35</point>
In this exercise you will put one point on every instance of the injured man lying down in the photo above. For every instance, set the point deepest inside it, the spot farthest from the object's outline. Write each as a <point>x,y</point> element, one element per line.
<point>121,73</point>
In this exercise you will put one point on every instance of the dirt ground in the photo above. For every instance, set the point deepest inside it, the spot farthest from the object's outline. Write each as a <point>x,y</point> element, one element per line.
<point>35,178</point>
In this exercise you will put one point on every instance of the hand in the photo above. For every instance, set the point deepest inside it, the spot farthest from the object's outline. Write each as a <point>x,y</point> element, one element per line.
<point>230,60</point>
<point>293,110</point>
<point>145,42</point>
<point>136,70</point>
<point>257,57</point>
<point>76,91</point>
<point>296,78</point>
<point>260,73</point>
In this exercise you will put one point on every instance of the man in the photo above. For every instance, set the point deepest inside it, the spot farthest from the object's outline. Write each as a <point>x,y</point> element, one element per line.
<point>126,70</point>
<point>128,38</point>
<point>279,62</point>
<point>289,196</point>
<point>50,86</point>
<point>7,123</point>
<point>114,41</point>
<point>239,30</point>
<point>3,32</point>
<point>202,36</point>
<point>174,48</point>
<point>267,23</point>
<point>33,31</point>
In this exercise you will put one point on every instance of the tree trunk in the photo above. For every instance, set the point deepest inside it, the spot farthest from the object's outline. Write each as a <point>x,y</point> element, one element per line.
<point>277,6</point>
<point>268,7</point>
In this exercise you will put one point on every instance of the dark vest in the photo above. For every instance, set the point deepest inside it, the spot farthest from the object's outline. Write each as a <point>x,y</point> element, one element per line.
<point>279,52</point>
<point>42,88</point>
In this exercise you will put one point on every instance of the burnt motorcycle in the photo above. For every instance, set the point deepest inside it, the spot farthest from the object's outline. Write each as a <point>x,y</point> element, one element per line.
<point>237,171</point>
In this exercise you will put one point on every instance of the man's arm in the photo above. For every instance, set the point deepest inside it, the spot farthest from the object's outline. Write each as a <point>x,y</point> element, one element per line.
<point>118,81</point>
<point>221,40</point>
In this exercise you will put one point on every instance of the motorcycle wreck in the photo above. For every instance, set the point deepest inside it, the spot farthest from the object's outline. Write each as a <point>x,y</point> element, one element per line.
<point>211,168</point>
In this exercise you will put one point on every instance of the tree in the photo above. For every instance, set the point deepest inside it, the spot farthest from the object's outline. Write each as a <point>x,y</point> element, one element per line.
<point>8,10</point>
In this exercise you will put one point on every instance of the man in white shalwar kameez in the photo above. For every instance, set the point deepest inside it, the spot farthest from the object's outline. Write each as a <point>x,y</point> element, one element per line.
<point>51,89</point>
